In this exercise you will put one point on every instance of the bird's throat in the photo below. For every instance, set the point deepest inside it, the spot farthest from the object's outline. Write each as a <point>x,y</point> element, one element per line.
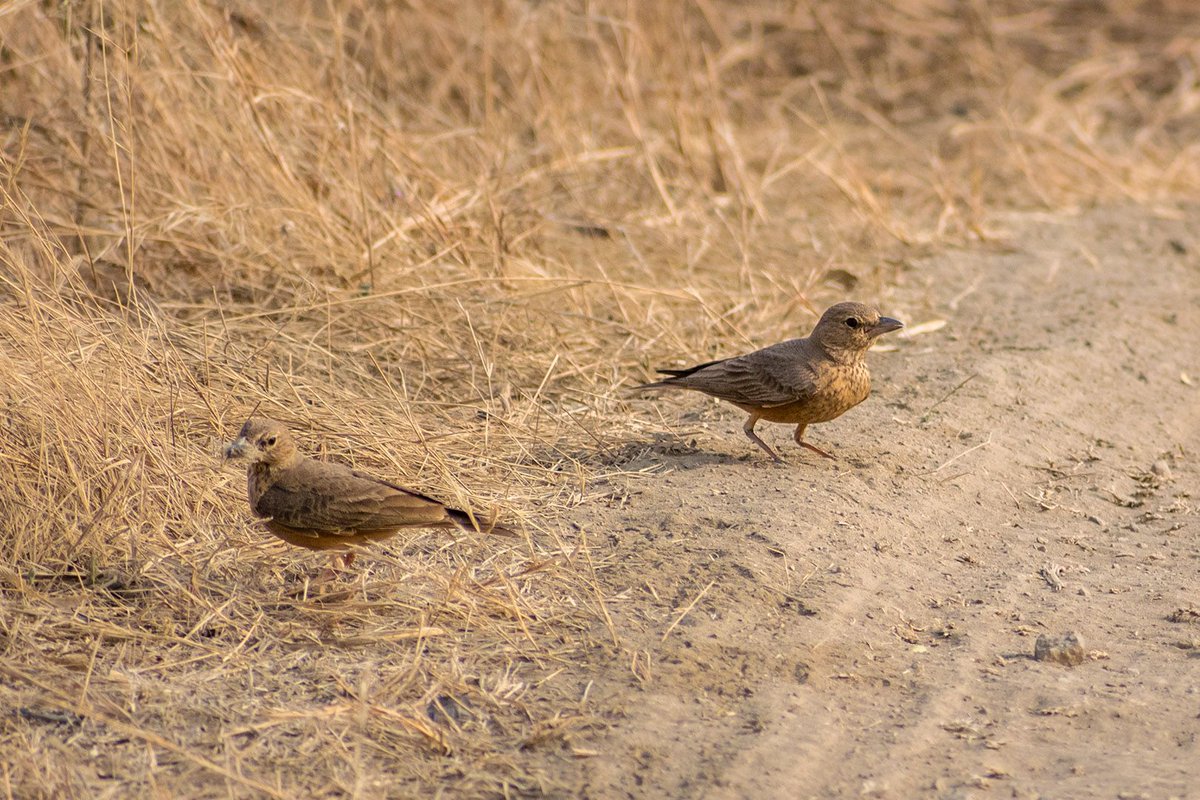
<point>258,480</point>
<point>847,357</point>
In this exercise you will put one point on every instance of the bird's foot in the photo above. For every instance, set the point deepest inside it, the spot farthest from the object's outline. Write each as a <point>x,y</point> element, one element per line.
<point>818,450</point>
<point>339,566</point>
<point>328,575</point>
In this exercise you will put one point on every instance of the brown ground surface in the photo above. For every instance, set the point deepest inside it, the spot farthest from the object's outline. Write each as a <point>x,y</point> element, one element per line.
<point>865,627</point>
<point>441,240</point>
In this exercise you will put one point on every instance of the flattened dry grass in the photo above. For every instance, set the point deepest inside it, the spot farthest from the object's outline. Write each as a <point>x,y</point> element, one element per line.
<point>436,239</point>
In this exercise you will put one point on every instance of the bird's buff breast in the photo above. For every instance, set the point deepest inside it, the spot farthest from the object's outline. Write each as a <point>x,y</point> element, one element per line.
<point>845,388</point>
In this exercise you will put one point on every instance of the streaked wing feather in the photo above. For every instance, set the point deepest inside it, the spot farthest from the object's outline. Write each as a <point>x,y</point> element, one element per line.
<point>775,376</point>
<point>331,498</point>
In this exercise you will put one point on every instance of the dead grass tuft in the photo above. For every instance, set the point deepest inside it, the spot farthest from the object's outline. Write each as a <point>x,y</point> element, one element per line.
<point>436,239</point>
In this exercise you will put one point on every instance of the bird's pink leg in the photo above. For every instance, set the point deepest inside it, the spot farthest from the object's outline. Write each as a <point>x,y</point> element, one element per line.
<point>338,563</point>
<point>799,437</point>
<point>749,429</point>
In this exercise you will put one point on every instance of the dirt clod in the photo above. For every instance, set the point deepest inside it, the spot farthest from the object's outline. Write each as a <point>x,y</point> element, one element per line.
<point>1066,649</point>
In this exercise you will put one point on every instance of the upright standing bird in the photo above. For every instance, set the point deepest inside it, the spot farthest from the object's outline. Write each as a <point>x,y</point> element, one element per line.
<point>800,381</point>
<point>325,506</point>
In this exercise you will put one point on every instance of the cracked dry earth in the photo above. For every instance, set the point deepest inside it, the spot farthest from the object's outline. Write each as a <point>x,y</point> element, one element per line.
<point>865,627</point>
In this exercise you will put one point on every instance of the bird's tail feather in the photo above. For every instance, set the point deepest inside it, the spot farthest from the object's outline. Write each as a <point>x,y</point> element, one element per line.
<point>477,523</point>
<point>653,385</point>
<point>674,381</point>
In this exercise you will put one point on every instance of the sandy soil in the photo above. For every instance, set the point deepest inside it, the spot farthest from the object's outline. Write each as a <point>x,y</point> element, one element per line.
<point>865,627</point>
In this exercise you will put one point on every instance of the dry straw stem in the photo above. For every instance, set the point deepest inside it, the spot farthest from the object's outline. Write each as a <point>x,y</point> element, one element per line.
<point>435,239</point>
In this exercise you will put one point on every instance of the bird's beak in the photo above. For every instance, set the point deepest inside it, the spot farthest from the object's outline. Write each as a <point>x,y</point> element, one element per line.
<point>885,325</point>
<point>236,449</point>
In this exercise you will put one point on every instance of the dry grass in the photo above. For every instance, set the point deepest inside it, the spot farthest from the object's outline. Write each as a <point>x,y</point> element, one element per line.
<point>436,239</point>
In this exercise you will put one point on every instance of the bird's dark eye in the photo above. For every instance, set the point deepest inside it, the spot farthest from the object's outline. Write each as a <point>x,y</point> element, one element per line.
<point>852,322</point>
<point>269,441</point>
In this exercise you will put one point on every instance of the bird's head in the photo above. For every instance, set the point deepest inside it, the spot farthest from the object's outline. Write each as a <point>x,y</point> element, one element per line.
<point>264,441</point>
<point>851,328</point>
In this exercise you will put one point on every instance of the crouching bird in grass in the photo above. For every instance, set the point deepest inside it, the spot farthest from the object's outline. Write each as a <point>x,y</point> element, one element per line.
<point>800,381</point>
<point>324,506</point>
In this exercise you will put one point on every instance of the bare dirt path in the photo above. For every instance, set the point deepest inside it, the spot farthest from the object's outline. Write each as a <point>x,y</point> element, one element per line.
<point>864,627</point>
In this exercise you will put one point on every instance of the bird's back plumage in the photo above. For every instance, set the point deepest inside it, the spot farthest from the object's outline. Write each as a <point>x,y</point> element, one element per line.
<point>332,498</point>
<point>784,373</point>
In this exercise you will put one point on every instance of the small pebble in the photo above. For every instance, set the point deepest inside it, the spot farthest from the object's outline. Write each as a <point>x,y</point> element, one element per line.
<point>1162,469</point>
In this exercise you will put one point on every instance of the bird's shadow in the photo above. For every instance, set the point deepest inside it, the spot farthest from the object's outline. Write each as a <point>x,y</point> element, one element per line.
<point>665,451</point>
<point>662,452</point>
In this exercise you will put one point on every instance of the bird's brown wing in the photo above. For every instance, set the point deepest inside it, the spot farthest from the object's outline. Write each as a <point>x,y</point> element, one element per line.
<point>331,498</point>
<point>784,373</point>
<point>462,519</point>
